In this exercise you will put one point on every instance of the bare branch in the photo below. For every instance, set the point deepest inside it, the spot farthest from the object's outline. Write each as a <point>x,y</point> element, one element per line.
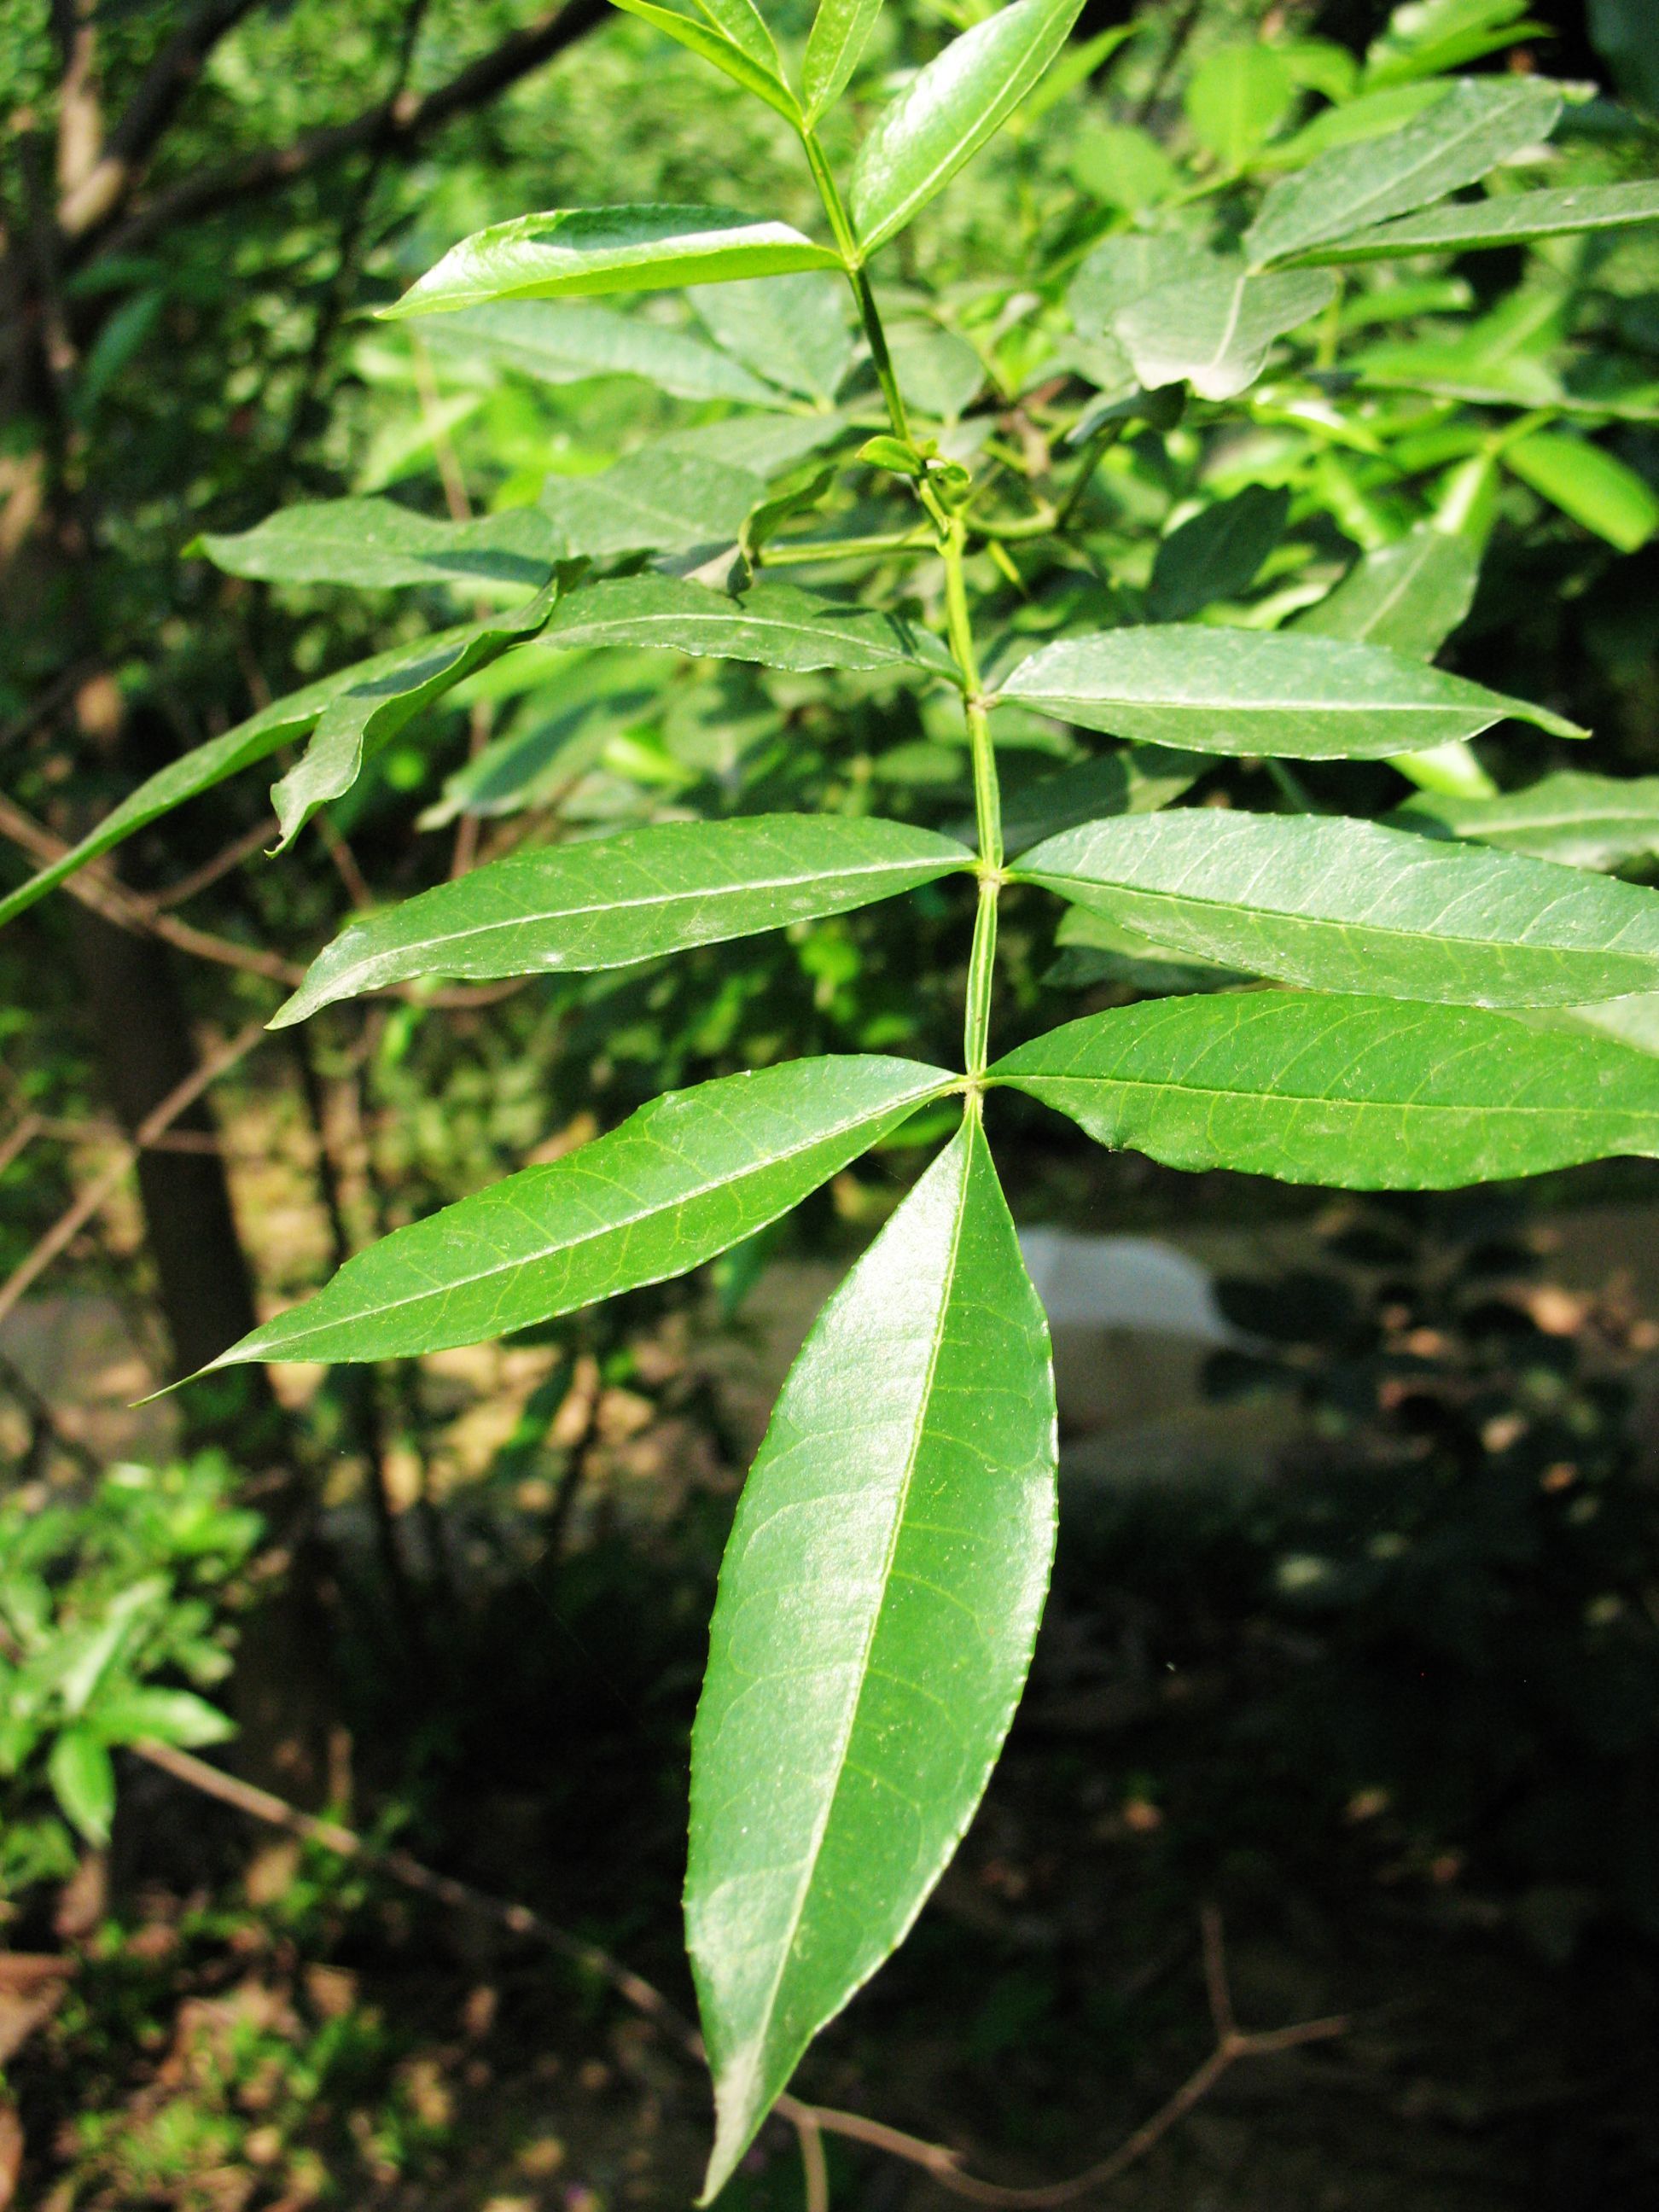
<point>92,197</point>
<point>397,126</point>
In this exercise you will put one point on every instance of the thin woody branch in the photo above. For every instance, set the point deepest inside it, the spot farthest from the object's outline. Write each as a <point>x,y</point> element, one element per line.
<point>397,125</point>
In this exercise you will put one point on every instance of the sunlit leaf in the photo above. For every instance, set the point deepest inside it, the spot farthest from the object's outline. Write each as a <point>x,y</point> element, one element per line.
<point>1236,98</point>
<point>1220,691</point>
<point>677,1182</point>
<point>1586,821</point>
<point>1478,122</point>
<point>948,112</point>
<point>655,498</point>
<point>608,900</point>
<point>877,1606</point>
<point>727,41</point>
<point>793,330</point>
<point>375,541</point>
<point>1586,481</point>
<point>573,251</point>
<point>777,625</point>
<point>1341,905</point>
<point>1507,219</point>
<point>840,31</point>
<point>1363,1094</point>
<point>1214,332</point>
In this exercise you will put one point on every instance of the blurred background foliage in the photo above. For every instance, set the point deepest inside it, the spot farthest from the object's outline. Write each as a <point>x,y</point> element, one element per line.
<point>1356,1622</point>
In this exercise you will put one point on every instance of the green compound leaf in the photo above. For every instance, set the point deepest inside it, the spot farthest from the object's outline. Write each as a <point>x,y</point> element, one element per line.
<point>1409,595</point>
<point>727,41</point>
<point>1480,122</point>
<point>1341,905</point>
<point>355,724</point>
<point>687,1176</point>
<point>948,111</point>
<point>1264,692</point>
<point>877,1607</point>
<point>573,251</point>
<point>1593,486</point>
<point>1215,331</point>
<point>611,900</point>
<point>370,542</point>
<point>565,341</point>
<point>1512,219</point>
<point>1363,1094</point>
<point>1585,821</point>
<point>655,500</point>
<point>221,757</point>
<point>840,31</point>
<point>779,625</point>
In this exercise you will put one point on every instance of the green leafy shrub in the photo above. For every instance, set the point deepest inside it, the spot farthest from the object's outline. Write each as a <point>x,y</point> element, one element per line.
<point>1204,464</point>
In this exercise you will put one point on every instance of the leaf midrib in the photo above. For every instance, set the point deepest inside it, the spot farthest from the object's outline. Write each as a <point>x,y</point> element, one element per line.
<point>785,1948</point>
<point>1020,1080</point>
<point>624,1223</point>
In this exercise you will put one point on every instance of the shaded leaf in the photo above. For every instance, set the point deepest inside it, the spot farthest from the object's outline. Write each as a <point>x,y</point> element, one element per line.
<point>1362,1094</point>
<point>1215,554</point>
<point>679,1181</point>
<point>1134,780</point>
<point>1215,331</point>
<point>1265,692</point>
<point>938,372</point>
<point>357,722</point>
<point>1090,949</point>
<point>221,757</point>
<point>656,499</point>
<point>567,342</point>
<point>1480,122</point>
<point>1340,905</point>
<point>1506,218</point>
<point>793,330</point>
<point>572,251</point>
<point>949,110</point>
<point>1586,821</point>
<point>877,1606</point>
<point>1409,595</point>
<point>777,625</point>
<point>368,542</point>
<point>609,901</point>
<point>1121,269</point>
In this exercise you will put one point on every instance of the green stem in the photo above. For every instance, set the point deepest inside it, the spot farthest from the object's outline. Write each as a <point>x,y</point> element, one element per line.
<point>951,536</point>
<point>787,552</point>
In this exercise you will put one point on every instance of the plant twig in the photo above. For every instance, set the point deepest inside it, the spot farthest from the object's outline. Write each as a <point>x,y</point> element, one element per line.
<point>811,2123</point>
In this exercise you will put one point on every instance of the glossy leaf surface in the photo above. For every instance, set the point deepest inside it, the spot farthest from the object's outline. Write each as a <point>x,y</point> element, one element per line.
<point>570,251</point>
<point>1214,332</point>
<point>356,722</point>
<point>1586,821</point>
<point>1247,691</point>
<point>369,542</point>
<point>607,901</point>
<point>877,1607</point>
<point>1341,905</point>
<point>687,1176</point>
<point>1508,219</point>
<point>727,39</point>
<point>1478,122</point>
<point>840,31</point>
<point>1363,1094</point>
<point>777,625</point>
<point>566,341</point>
<point>948,112</point>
